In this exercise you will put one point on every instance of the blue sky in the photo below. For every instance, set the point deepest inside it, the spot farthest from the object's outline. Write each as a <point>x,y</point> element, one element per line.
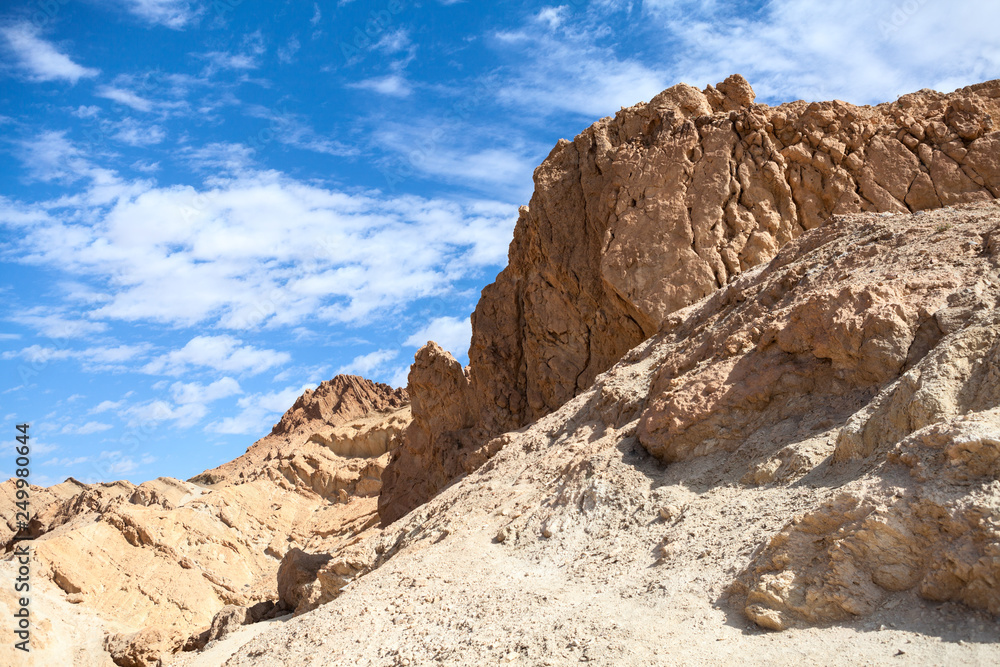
<point>208,205</point>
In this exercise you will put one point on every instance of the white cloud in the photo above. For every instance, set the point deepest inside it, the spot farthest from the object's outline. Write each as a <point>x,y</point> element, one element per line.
<point>86,111</point>
<point>132,132</point>
<point>399,377</point>
<point>292,130</point>
<point>577,74</point>
<point>220,60</point>
<point>365,364</point>
<point>194,392</point>
<point>552,16</point>
<point>126,97</point>
<point>222,353</point>
<point>862,51</point>
<point>104,406</point>
<point>219,157</point>
<point>286,54</point>
<point>450,333</point>
<point>55,325</point>
<point>50,156</point>
<point>150,413</point>
<point>394,41</point>
<point>113,463</point>
<point>41,59</point>
<point>91,358</point>
<point>66,461</point>
<point>89,427</point>
<point>258,412</point>
<point>170,13</point>
<point>317,15</point>
<point>393,85</point>
<point>258,250</point>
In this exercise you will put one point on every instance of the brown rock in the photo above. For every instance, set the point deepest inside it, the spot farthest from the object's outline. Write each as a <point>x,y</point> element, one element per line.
<point>338,401</point>
<point>144,648</point>
<point>440,441</point>
<point>297,577</point>
<point>227,620</point>
<point>172,554</point>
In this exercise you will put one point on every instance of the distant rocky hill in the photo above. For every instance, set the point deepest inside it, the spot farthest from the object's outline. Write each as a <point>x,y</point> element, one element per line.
<point>661,205</point>
<point>153,564</point>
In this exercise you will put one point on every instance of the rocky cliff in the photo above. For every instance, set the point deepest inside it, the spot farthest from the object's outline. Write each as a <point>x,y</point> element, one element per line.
<point>649,211</point>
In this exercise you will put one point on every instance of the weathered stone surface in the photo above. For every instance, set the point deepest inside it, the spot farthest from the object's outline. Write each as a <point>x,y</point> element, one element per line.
<point>297,576</point>
<point>143,648</point>
<point>171,554</point>
<point>442,442</point>
<point>830,425</point>
<point>338,401</point>
<point>649,211</point>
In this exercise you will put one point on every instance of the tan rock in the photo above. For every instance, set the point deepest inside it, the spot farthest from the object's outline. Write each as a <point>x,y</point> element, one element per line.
<point>297,576</point>
<point>441,442</point>
<point>143,648</point>
<point>171,554</point>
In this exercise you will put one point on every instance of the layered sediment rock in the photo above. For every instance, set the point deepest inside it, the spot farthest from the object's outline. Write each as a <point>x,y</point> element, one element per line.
<point>648,211</point>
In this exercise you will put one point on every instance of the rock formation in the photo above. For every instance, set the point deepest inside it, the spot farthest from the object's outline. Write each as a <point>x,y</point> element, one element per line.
<point>441,440</point>
<point>646,212</point>
<point>816,443</point>
<point>156,562</point>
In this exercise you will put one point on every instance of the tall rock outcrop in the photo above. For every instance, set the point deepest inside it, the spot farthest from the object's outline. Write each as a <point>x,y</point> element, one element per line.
<point>442,442</point>
<point>648,211</point>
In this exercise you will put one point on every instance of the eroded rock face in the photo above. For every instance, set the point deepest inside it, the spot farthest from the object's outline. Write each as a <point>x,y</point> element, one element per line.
<point>442,441</point>
<point>296,576</point>
<point>143,648</point>
<point>338,401</point>
<point>647,212</point>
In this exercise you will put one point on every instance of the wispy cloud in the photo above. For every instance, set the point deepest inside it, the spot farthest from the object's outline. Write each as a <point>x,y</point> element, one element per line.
<point>85,429</point>
<point>258,412</point>
<point>577,75</point>
<point>135,133</point>
<point>174,14</point>
<point>40,60</point>
<point>52,325</point>
<point>194,392</point>
<point>393,85</point>
<point>257,250</point>
<point>367,364</point>
<point>222,353</point>
<point>126,97</point>
<point>101,358</point>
